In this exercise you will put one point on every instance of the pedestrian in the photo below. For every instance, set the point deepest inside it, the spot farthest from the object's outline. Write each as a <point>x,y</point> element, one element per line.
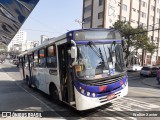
<point>158,76</point>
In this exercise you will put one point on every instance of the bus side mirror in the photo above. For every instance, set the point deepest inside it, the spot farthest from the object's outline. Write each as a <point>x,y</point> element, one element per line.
<point>73,52</point>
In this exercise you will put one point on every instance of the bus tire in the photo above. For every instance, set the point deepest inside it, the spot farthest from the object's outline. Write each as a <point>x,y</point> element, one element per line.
<point>53,92</point>
<point>28,81</point>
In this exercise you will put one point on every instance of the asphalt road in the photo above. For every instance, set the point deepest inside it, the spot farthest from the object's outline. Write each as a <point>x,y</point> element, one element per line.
<point>140,98</point>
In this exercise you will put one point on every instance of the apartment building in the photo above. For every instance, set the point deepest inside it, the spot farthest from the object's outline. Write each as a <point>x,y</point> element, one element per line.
<point>19,39</point>
<point>146,13</point>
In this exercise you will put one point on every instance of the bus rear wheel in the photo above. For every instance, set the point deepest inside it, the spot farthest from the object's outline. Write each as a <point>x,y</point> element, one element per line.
<point>53,93</point>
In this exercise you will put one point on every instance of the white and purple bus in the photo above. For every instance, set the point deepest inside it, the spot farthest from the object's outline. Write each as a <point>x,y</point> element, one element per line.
<point>84,68</point>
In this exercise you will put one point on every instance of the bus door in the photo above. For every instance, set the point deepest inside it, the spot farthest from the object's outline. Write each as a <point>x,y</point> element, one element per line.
<point>30,66</point>
<point>35,69</point>
<point>21,67</point>
<point>65,75</point>
<point>26,67</point>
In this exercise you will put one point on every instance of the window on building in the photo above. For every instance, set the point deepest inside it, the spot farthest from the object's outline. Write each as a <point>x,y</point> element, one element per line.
<point>157,20</point>
<point>86,0</point>
<point>156,39</point>
<point>152,7</point>
<point>51,57</point>
<point>124,7</point>
<point>143,25</point>
<point>42,59</point>
<point>151,17</point>
<point>150,27</point>
<point>100,15</point>
<point>87,20</point>
<point>119,4</point>
<point>100,26</point>
<point>134,9</point>
<point>133,21</point>
<point>144,4</point>
<point>143,15</point>
<point>101,2</point>
<point>150,38</point>
<point>157,10</point>
<point>123,18</point>
<point>87,8</point>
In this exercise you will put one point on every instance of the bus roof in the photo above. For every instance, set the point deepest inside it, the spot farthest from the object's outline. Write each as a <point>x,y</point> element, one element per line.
<point>54,40</point>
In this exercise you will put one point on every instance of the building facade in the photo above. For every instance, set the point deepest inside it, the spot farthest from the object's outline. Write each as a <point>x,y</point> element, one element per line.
<point>145,13</point>
<point>29,44</point>
<point>17,42</point>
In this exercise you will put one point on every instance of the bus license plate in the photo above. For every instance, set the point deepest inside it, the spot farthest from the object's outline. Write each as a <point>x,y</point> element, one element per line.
<point>109,97</point>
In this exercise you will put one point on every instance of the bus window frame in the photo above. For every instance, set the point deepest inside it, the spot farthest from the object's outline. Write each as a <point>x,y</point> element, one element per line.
<point>34,59</point>
<point>55,55</point>
<point>44,57</point>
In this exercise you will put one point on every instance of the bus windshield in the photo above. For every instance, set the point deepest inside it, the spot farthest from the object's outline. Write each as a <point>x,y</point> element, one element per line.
<point>97,61</point>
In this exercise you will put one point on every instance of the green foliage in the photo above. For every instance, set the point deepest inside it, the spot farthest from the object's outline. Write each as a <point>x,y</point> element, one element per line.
<point>135,38</point>
<point>151,47</point>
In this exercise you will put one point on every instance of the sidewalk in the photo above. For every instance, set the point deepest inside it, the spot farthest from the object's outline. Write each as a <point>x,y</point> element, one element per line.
<point>151,81</point>
<point>13,97</point>
<point>4,76</point>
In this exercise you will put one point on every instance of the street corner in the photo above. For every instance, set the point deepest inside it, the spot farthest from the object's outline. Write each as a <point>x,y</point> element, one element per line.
<point>151,81</point>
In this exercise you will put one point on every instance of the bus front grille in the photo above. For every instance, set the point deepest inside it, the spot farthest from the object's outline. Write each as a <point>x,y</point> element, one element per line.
<point>106,82</point>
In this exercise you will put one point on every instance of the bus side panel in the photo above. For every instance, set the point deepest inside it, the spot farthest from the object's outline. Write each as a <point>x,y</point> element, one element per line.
<point>34,77</point>
<point>41,79</point>
<point>52,77</point>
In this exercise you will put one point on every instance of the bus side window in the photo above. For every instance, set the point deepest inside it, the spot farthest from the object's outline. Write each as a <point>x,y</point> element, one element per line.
<point>42,59</point>
<point>36,59</point>
<point>20,61</point>
<point>26,61</point>
<point>51,57</point>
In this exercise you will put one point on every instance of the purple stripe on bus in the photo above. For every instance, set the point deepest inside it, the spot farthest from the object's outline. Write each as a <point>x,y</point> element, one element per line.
<point>107,89</point>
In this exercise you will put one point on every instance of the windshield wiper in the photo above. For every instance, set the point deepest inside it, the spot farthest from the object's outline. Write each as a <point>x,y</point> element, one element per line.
<point>111,52</point>
<point>97,51</point>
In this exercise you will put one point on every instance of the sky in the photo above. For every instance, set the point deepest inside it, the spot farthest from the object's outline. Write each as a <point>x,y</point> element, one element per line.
<point>53,18</point>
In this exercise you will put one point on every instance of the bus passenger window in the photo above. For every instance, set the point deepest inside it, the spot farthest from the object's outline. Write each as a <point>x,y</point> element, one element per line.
<point>36,59</point>
<point>42,59</point>
<point>51,57</point>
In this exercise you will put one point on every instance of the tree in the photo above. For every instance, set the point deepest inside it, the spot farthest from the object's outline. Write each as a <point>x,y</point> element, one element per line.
<point>151,48</point>
<point>135,38</point>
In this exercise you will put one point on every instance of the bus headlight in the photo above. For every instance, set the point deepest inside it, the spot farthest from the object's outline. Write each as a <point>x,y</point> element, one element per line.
<point>93,94</point>
<point>123,86</point>
<point>82,91</point>
<point>88,93</point>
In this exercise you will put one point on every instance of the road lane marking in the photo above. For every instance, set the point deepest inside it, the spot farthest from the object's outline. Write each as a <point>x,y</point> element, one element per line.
<point>147,104</point>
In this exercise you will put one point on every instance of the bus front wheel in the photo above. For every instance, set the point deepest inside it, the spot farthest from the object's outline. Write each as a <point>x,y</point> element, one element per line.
<point>53,92</point>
